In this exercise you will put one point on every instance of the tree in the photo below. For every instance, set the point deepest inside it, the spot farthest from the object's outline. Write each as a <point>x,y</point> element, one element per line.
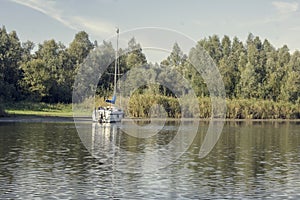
<point>226,46</point>
<point>250,84</point>
<point>36,78</point>
<point>228,71</point>
<point>280,73</point>
<point>105,84</point>
<point>177,61</point>
<point>49,74</point>
<point>272,81</point>
<point>213,47</point>
<point>290,88</point>
<point>176,57</point>
<point>80,47</point>
<point>228,66</point>
<point>135,56</point>
<point>44,74</point>
<point>10,57</point>
<point>239,59</point>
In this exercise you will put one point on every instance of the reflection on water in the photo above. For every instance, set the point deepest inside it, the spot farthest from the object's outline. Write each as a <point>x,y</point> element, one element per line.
<point>251,160</point>
<point>135,153</point>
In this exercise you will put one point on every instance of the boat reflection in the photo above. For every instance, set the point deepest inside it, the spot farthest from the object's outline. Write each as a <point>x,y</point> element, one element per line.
<point>105,141</point>
<point>133,148</point>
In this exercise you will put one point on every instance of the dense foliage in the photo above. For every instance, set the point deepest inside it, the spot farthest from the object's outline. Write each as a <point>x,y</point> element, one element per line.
<point>261,81</point>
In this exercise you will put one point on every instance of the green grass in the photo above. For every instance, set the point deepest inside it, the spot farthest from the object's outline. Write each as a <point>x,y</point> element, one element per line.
<point>38,109</point>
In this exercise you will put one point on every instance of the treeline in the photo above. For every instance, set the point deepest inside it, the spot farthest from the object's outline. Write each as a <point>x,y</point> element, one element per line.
<point>254,70</point>
<point>46,75</point>
<point>254,73</point>
<point>261,82</point>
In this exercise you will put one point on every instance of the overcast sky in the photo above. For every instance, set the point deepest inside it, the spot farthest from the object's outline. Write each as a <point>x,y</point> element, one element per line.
<point>39,20</point>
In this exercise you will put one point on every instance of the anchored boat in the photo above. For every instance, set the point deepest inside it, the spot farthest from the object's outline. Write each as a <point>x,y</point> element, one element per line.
<point>111,113</point>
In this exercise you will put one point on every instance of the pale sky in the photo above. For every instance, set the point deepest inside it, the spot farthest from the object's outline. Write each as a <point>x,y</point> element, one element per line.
<point>39,20</point>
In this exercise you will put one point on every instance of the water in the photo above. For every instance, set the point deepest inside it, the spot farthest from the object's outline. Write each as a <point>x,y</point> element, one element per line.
<point>49,161</point>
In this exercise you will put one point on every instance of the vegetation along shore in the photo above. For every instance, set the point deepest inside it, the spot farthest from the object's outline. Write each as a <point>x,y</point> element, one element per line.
<point>261,81</point>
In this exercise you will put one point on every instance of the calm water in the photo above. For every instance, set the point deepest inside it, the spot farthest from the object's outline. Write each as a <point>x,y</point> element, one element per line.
<point>50,161</point>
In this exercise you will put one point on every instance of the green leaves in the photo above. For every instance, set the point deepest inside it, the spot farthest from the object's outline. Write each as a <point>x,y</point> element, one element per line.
<point>10,57</point>
<point>135,57</point>
<point>48,75</point>
<point>254,70</point>
<point>80,47</point>
<point>250,70</point>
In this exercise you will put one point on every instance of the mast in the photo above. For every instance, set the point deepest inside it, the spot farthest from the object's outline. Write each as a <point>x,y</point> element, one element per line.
<point>116,63</point>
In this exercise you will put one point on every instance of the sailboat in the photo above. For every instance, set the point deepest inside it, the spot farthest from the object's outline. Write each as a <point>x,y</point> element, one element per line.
<point>111,113</point>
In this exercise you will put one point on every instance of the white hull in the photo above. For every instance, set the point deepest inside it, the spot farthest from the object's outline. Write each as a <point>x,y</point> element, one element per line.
<point>107,115</point>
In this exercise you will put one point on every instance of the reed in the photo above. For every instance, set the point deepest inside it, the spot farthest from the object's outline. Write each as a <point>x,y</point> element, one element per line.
<point>140,105</point>
<point>261,109</point>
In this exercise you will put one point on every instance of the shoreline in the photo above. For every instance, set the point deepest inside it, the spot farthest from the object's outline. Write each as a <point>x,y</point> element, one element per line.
<point>37,118</point>
<point>70,119</point>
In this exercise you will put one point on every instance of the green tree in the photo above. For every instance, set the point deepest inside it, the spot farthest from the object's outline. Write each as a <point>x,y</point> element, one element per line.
<point>213,47</point>
<point>251,81</point>
<point>49,74</point>
<point>248,86</point>
<point>228,67</point>
<point>105,84</point>
<point>290,88</point>
<point>42,74</point>
<point>273,77</point>
<point>178,61</point>
<point>282,66</point>
<point>70,60</point>
<point>36,78</point>
<point>239,60</point>
<point>175,58</point>
<point>10,57</point>
<point>135,56</point>
<point>226,46</point>
<point>80,47</point>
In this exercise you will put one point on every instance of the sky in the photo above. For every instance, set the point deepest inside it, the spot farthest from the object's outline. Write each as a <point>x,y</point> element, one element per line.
<point>40,20</point>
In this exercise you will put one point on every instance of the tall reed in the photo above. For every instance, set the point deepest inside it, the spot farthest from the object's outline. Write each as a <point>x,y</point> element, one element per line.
<point>140,105</point>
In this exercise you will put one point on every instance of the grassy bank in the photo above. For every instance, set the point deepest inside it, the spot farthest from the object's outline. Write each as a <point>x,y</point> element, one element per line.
<point>38,109</point>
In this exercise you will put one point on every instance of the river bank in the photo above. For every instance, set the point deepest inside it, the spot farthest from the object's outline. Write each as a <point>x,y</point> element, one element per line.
<point>237,110</point>
<point>70,119</point>
<point>37,118</point>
